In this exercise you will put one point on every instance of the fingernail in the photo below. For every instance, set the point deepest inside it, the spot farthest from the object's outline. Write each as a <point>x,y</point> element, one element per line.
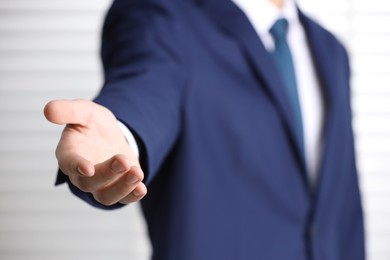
<point>137,193</point>
<point>81,172</point>
<point>117,167</point>
<point>132,179</point>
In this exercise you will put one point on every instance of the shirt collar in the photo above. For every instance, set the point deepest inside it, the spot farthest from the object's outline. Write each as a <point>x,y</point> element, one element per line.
<point>263,14</point>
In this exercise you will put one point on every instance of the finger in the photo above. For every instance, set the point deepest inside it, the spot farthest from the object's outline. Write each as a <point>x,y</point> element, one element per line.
<point>73,165</point>
<point>68,111</point>
<point>138,193</point>
<point>121,188</point>
<point>106,173</point>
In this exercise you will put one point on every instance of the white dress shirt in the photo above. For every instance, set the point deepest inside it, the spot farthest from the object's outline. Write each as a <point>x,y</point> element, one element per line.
<point>263,14</point>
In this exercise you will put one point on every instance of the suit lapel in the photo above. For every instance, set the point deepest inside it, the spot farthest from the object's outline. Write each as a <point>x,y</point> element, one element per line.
<point>234,22</point>
<point>323,63</point>
<point>327,74</point>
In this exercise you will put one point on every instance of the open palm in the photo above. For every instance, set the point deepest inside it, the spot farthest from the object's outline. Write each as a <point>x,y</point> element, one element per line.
<point>93,152</point>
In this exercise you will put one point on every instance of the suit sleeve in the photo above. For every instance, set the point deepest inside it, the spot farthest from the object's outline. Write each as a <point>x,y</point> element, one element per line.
<point>144,77</point>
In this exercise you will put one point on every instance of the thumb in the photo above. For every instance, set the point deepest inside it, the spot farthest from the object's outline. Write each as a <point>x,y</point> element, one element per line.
<point>68,111</point>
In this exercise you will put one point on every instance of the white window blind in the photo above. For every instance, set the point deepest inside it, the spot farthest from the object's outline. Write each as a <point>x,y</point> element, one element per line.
<point>48,50</point>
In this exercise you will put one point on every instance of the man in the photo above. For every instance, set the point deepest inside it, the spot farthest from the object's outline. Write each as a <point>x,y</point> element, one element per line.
<point>242,158</point>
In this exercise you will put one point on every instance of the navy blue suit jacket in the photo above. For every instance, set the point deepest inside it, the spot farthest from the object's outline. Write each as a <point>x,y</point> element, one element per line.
<point>226,180</point>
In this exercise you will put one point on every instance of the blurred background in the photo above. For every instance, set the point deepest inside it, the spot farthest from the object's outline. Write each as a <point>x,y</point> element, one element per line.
<point>49,50</point>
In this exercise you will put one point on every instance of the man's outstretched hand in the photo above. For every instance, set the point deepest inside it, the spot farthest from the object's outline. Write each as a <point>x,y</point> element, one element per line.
<point>94,153</point>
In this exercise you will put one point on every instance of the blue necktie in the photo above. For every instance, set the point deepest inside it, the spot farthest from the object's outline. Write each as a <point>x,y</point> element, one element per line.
<point>284,63</point>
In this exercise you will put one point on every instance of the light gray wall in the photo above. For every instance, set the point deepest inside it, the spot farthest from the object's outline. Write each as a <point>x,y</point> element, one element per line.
<point>48,50</point>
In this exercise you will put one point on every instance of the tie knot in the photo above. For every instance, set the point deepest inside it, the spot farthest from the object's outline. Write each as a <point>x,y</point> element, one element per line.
<point>279,29</point>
